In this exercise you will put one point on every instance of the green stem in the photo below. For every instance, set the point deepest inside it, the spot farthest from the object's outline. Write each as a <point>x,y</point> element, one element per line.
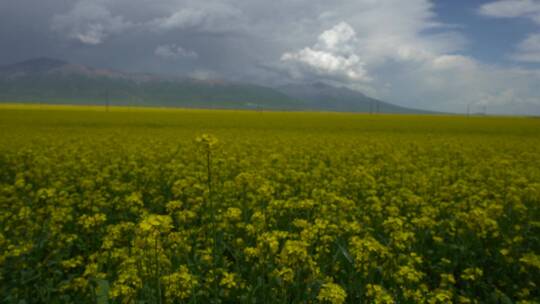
<point>212,220</point>
<point>157,271</point>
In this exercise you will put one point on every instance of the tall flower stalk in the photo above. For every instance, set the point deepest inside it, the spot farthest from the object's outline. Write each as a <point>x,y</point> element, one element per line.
<point>207,143</point>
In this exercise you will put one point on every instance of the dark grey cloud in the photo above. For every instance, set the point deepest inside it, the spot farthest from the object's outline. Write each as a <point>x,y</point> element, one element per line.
<point>393,49</point>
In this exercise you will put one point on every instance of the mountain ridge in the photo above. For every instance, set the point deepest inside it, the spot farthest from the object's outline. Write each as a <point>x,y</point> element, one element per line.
<point>51,80</point>
<point>322,96</point>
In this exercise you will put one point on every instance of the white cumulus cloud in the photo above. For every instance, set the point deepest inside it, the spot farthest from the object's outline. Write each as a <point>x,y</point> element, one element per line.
<point>332,55</point>
<point>337,38</point>
<point>529,49</point>
<point>512,9</point>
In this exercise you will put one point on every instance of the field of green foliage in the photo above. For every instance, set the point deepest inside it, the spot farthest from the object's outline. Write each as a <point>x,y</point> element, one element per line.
<point>191,206</point>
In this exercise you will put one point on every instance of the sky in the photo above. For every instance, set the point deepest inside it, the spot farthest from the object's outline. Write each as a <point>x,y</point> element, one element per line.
<point>443,55</point>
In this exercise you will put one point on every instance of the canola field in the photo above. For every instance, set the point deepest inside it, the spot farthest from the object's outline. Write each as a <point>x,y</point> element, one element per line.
<point>192,206</point>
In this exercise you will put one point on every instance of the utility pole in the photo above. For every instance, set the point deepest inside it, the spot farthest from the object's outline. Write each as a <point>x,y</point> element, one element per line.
<point>107,101</point>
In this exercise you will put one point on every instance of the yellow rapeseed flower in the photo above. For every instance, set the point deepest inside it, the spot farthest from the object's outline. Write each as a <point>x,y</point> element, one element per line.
<point>332,293</point>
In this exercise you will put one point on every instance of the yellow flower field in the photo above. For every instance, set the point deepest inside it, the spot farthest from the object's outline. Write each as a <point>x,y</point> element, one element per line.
<point>192,206</point>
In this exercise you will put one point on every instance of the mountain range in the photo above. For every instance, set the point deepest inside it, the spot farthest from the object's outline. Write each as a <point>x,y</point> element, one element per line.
<point>57,82</point>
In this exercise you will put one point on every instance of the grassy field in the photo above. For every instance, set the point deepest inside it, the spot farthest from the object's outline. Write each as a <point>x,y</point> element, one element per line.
<point>139,205</point>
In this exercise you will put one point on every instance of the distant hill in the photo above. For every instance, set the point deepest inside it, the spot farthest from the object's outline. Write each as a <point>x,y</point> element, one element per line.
<point>54,81</point>
<point>321,96</point>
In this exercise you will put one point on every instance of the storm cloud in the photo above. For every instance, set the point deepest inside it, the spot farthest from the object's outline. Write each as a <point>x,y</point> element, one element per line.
<point>396,50</point>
